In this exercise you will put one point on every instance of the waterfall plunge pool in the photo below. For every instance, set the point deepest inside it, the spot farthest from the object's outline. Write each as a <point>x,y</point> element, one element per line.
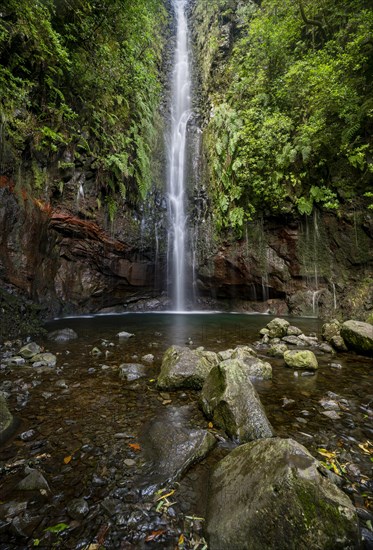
<point>88,429</point>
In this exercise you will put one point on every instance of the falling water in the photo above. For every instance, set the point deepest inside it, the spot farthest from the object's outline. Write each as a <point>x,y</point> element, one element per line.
<point>180,114</point>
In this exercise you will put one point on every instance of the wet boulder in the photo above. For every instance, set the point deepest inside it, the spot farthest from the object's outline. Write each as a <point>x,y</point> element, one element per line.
<point>331,333</point>
<point>185,368</point>
<point>44,360</point>
<point>255,367</point>
<point>62,335</point>
<point>170,447</point>
<point>229,398</point>
<point>358,336</point>
<point>302,359</point>
<point>270,494</point>
<point>277,327</point>
<point>277,350</point>
<point>6,419</point>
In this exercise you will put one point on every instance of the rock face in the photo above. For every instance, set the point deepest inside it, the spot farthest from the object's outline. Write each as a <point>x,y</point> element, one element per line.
<point>302,359</point>
<point>185,368</point>
<point>358,336</point>
<point>229,398</point>
<point>269,494</point>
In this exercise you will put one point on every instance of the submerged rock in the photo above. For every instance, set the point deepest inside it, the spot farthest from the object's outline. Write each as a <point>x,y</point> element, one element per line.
<point>170,447</point>
<point>185,368</point>
<point>277,350</point>
<point>124,335</point>
<point>229,398</point>
<point>78,508</point>
<point>358,336</point>
<point>132,371</point>
<point>269,494</point>
<point>62,335</point>
<point>302,359</point>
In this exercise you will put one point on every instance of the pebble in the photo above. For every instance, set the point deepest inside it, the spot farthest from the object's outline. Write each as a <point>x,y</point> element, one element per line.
<point>333,415</point>
<point>27,436</point>
<point>129,462</point>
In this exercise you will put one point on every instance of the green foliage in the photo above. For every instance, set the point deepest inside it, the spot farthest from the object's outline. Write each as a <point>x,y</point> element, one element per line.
<point>84,75</point>
<point>291,111</point>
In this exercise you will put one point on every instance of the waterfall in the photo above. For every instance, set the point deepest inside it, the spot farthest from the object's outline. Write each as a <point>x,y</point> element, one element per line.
<point>180,114</point>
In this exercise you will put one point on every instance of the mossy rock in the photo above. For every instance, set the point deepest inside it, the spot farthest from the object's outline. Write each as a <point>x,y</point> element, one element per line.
<point>358,336</point>
<point>301,359</point>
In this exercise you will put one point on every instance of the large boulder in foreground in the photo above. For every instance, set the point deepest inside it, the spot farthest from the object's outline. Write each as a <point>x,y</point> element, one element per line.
<point>229,398</point>
<point>358,336</point>
<point>269,494</point>
<point>302,359</point>
<point>185,368</point>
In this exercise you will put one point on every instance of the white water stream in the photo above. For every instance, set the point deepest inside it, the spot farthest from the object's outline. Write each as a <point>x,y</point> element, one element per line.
<point>180,114</point>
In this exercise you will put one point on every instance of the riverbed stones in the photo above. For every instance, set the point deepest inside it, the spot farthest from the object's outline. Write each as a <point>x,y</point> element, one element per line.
<point>229,398</point>
<point>277,327</point>
<point>301,359</point>
<point>62,335</point>
<point>358,336</point>
<point>44,360</point>
<point>270,494</point>
<point>185,368</point>
<point>78,508</point>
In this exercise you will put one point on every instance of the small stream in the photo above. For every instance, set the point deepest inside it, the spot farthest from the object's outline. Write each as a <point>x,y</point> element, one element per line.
<point>85,430</point>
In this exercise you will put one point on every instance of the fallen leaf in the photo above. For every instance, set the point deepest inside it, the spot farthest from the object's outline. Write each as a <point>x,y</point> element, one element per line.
<point>135,446</point>
<point>57,528</point>
<point>67,459</point>
<point>181,540</point>
<point>166,495</point>
<point>328,454</point>
<point>210,425</point>
<point>166,402</point>
<point>155,534</point>
<point>366,447</point>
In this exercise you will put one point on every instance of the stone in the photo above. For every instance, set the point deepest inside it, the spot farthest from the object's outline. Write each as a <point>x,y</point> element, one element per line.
<point>226,354</point>
<point>229,398</point>
<point>292,340</point>
<point>326,348</point>
<point>78,508</point>
<point>277,350</point>
<point>62,335</point>
<point>277,327</point>
<point>269,494</point>
<point>300,359</point>
<point>338,343</point>
<point>331,329</point>
<point>132,371</point>
<point>33,481</point>
<point>44,360</point>
<point>124,335</point>
<point>358,336</point>
<point>29,350</point>
<point>185,368</point>
<point>6,419</point>
<point>170,447</point>
<point>16,361</point>
<point>255,367</point>
<point>293,331</point>
<point>148,358</point>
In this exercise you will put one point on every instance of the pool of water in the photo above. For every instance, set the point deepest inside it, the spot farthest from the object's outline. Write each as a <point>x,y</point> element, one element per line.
<point>87,428</point>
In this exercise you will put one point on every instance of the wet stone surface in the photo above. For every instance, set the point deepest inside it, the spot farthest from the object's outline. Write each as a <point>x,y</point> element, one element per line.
<point>83,430</point>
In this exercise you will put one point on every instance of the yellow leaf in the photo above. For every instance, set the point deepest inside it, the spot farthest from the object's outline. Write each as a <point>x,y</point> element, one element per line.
<point>67,459</point>
<point>166,495</point>
<point>211,425</point>
<point>366,447</point>
<point>328,454</point>
<point>181,540</point>
<point>135,446</point>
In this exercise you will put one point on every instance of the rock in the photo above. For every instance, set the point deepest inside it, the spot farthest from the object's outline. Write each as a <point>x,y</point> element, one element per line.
<point>326,348</point>
<point>255,367</point>
<point>333,415</point>
<point>78,508</point>
<point>124,335</point>
<point>44,360</point>
<point>16,361</point>
<point>293,340</point>
<point>6,419</point>
<point>148,358</point>
<point>293,331</point>
<point>170,447</point>
<point>29,350</point>
<point>358,336</point>
<point>95,352</point>
<point>277,327</point>
<point>226,354</point>
<point>229,398</point>
<point>309,340</point>
<point>338,343</point>
<point>277,350</point>
<point>27,436</point>
<point>185,368</point>
<point>331,329</point>
<point>269,494</point>
<point>33,481</point>
<point>62,335</point>
<point>132,371</point>
<point>264,332</point>
<point>302,359</point>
